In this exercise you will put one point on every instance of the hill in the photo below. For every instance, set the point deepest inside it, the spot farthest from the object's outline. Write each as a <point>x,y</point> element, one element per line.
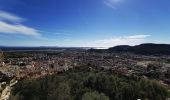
<point>88,83</point>
<point>148,48</point>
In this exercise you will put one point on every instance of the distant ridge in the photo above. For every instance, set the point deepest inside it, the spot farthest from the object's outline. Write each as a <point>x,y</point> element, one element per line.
<point>147,48</point>
<point>38,48</point>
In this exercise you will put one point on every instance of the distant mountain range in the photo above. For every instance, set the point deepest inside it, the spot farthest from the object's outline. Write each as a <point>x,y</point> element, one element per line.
<point>147,48</point>
<point>40,48</point>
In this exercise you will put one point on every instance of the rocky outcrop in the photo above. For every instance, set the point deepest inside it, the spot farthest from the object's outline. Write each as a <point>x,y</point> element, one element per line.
<point>6,89</point>
<point>5,93</point>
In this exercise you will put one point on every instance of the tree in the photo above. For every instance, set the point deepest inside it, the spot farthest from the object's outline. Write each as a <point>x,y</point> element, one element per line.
<point>82,84</point>
<point>62,92</point>
<point>94,96</point>
<point>152,90</point>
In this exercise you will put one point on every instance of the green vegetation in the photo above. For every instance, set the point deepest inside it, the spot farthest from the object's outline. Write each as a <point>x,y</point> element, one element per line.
<point>86,83</point>
<point>1,57</point>
<point>17,54</point>
<point>94,96</point>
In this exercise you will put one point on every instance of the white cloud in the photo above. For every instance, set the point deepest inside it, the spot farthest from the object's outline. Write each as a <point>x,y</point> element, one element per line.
<point>10,17</point>
<point>125,40</point>
<point>112,3</point>
<point>17,28</point>
<point>137,37</point>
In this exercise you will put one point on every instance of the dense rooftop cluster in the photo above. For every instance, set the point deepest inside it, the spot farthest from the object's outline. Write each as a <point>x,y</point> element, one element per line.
<point>38,64</point>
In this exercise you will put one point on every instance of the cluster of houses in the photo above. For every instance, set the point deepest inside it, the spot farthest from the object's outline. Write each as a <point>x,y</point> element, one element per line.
<point>41,64</point>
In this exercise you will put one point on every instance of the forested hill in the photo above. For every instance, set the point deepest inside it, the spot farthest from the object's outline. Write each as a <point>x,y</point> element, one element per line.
<point>88,83</point>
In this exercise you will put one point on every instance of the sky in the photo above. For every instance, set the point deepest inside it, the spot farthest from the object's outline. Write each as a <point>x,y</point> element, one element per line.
<point>84,23</point>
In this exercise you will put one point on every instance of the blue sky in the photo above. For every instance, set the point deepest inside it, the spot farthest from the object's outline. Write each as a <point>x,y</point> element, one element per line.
<point>86,23</point>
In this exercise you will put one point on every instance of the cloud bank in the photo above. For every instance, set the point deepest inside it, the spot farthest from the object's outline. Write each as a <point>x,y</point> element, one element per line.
<point>11,24</point>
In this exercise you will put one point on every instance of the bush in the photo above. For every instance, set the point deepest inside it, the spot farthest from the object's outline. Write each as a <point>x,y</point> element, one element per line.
<point>94,96</point>
<point>79,83</point>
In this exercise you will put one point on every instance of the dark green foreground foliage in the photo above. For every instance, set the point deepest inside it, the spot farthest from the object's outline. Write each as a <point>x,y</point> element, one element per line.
<point>88,84</point>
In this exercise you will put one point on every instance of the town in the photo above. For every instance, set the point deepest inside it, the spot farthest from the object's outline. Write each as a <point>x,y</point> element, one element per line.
<point>38,64</point>
<point>20,65</point>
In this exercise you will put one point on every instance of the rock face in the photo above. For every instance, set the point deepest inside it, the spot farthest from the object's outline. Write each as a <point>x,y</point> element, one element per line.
<point>6,89</point>
<point>6,93</point>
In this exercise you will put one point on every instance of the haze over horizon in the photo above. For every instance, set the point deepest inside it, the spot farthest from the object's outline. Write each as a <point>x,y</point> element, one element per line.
<point>84,23</point>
